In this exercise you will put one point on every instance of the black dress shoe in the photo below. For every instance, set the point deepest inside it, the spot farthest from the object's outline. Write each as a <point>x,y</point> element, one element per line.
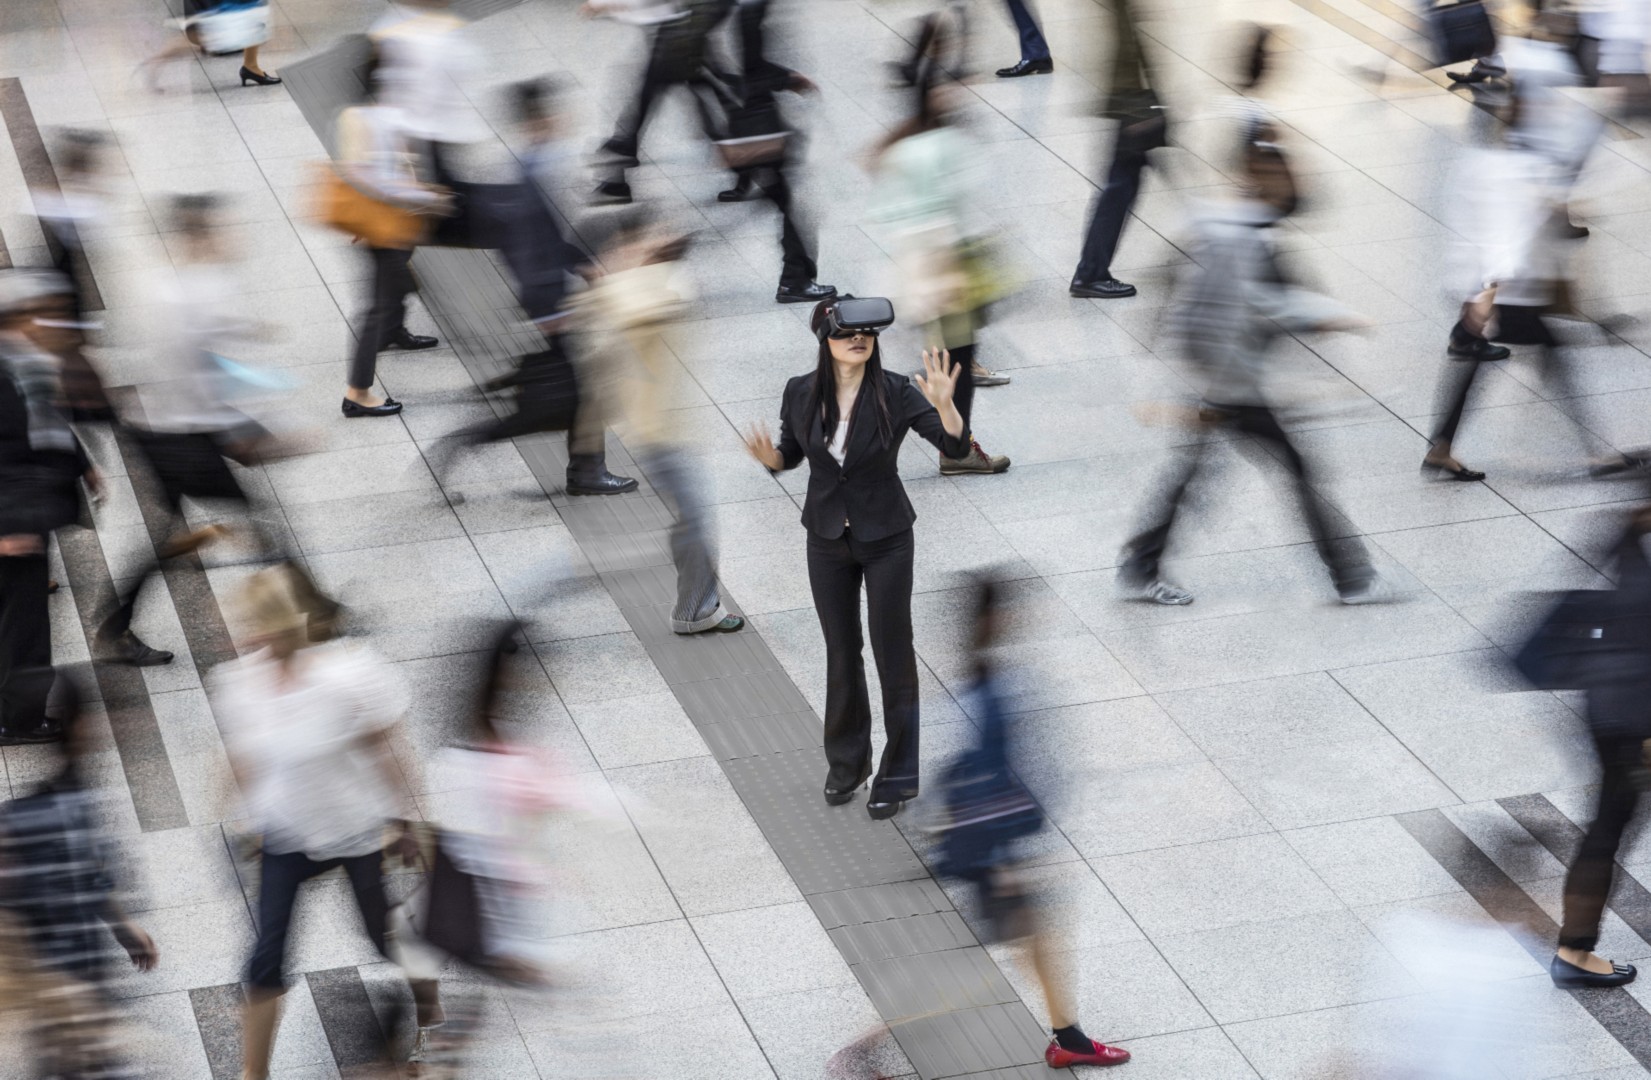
<point>1460,472</point>
<point>355,410</point>
<point>47,732</point>
<point>603,483</point>
<point>611,193</point>
<point>1568,976</point>
<point>1477,349</point>
<point>807,293</point>
<point>128,648</point>
<point>620,154</point>
<point>1027,67</point>
<point>744,191</point>
<point>407,341</point>
<point>1102,289</point>
<point>262,78</point>
<point>882,811</point>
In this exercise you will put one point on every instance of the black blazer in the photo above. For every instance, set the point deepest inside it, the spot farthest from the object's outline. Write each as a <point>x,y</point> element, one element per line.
<point>865,490</point>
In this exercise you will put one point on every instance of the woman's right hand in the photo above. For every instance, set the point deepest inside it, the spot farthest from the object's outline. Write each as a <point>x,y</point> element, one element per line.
<point>760,445</point>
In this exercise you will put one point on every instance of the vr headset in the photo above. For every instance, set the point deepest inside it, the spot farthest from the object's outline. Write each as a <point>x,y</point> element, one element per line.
<point>849,315</point>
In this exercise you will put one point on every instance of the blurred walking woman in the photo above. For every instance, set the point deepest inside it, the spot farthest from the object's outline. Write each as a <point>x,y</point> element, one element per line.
<point>848,418</point>
<point>306,727</point>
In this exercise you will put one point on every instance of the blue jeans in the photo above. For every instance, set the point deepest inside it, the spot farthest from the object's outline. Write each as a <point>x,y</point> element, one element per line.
<point>1032,45</point>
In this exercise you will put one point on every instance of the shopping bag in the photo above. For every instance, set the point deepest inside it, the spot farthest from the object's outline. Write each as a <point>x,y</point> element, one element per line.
<point>231,27</point>
<point>342,206</point>
<point>1461,32</point>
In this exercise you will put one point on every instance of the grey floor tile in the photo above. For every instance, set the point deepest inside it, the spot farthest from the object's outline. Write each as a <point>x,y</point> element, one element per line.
<point>1343,782</point>
<point>836,1017</point>
<point>1154,807</point>
<point>701,835</point>
<point>638,730</point>
<point>705,1043</point>
<point>1122,993</point>
<point>742,946</point>
<point>600,668</point>
<point>1370,862</point>
<point>1239,973</point>
<point>1213,885</point>
<point>1270,715</point>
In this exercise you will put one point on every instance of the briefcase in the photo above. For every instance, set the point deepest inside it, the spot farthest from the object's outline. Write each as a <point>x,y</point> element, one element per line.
<point>1461,32</point>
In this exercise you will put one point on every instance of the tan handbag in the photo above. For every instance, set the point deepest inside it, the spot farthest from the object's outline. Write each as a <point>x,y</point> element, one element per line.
<point>342,206</point>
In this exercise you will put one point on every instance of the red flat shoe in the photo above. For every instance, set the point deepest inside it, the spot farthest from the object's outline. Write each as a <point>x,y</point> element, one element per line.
<point>1057,1058</point>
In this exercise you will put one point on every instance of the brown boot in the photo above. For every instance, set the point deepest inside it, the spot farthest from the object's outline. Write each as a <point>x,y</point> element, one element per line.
<point>976,461</point>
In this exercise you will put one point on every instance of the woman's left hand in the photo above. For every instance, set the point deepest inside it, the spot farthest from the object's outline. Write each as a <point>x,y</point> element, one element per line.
<point>939,378</point>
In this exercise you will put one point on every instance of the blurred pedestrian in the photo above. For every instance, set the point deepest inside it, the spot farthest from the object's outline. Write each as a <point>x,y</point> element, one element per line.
<point>1599,641</point>
<point>941,242</point>
<point>761,146</point>
<point>1131,100</point>
<point>679,54</point>
<point>848,419</point>
<point>219,28</point>
<point>1237,303</point>
<point>1034,50</point>
<point>307,730</point>
<point>988,813</point>
<point>40,461</point>
<point>68,212</point>
<point>422,61</point>
<point>378,160</point>
<point>188,426</point>
<point>641,291</point>
<point>59,901</point>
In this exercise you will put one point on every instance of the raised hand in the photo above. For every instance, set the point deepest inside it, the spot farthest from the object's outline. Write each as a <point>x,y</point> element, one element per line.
<point>760,445</point>
<point>939,378</point>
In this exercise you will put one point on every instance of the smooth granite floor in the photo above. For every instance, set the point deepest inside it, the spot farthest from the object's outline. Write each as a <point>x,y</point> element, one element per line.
<point>1272,816</point>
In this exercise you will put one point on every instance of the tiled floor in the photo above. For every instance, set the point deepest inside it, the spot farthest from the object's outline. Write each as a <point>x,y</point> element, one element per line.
<point>1237,787</point>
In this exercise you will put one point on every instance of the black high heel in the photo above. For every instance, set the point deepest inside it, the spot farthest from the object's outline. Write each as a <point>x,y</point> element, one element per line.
<point>1461,472</point>
<point>882,811</point>
<point>262,78</point>
<point>838,796</point>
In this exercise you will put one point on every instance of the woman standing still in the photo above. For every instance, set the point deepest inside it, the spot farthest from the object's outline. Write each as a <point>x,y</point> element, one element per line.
<point>848,419</point>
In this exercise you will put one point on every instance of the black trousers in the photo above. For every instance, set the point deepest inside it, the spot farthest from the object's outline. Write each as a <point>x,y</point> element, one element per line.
<point>963,394</point>
<point>392,281</point>
<point>25,642</point>
<point>660,75</point>
<point>1111,208</point>
<point>278,889</point>
<point>1518,326</point>
<point>836,570</point>
<point>1344,557</point>
<point>1588,883</point>
<point>797,266</point>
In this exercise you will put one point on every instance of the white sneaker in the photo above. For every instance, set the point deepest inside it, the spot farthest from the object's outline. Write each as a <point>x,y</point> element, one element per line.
<point>1160,591</point>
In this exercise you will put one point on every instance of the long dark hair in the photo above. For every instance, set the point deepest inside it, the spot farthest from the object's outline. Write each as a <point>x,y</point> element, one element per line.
<point>822,396</point>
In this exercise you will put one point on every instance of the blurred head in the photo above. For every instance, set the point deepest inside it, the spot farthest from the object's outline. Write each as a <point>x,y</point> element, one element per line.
<point>275,615</point>
<point>1255,60</point>
<point>36,304</point>
<point>859,349</point>
<point>195,220</point>
<point>536,105</point>
<point>1267,178</point>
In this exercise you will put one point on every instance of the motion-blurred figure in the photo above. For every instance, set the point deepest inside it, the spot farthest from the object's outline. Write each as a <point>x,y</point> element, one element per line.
<point>942,249</point>
<point>760,146</point>
<point>67,213</point>
<point>40,461</point>
<point>307,728</point>
<point>58,900</point>
<point>678,55</point>
<point>188,425</point>
<point>423,61</point>
<point>630,306</point>
<point>1237,302</point>
<point>1133,102</point>
<point>988,812</point>
<point>378,156</point>
<point>1509,209</point>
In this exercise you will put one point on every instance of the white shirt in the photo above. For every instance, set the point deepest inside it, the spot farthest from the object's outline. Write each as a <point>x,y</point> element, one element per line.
<point>424,61</point>
<point>838,446</point>
<point>312,782</point>
<point>189,391</point>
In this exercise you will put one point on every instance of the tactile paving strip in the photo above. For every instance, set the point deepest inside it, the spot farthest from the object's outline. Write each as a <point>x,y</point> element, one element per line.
<point>947,1004</point>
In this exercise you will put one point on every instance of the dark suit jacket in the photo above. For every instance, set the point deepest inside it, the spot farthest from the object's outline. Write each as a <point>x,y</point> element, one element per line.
<point>865,490</point>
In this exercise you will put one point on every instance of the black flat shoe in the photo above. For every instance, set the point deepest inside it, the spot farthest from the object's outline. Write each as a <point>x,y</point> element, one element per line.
<point>1461,472</point>
<point>1478,349</point>
<point>611,193</point>
<point>354,410</point>
<point>45,733</point>
<point>1568,976</point>
<point>1027,67</point>
<point>407,341</point>
<point>837,796</point>
<point>807,293</point>
<point>606,484</point>
<point>1101,289</point>
<point>882,811</point>
<point>262,78</point>
<point>619,155</point>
